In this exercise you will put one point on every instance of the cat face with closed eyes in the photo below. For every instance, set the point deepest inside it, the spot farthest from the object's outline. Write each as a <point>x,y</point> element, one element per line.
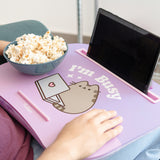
<point>80,97</point>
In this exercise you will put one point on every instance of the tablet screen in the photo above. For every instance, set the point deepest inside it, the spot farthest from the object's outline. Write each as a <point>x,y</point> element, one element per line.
<point>125,49</point>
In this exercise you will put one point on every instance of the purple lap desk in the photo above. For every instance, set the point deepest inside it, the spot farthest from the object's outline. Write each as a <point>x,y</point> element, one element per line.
<point>45,103</point>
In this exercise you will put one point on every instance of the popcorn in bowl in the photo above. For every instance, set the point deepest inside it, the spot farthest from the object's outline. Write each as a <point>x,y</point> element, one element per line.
<point>35,49</point>
<point>36,55</point>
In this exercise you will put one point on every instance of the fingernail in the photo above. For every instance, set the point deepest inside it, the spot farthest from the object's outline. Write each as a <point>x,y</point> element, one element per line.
<point>120,128</point>
<point>120,119</point>
<point>114,112</point>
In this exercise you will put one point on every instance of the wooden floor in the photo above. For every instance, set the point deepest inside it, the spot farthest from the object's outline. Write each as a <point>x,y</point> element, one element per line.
<point>71,38</point>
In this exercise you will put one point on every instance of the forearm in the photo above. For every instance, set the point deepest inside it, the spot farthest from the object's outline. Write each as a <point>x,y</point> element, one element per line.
<point>56,151</point>
<point>75,143</point>
<point>3,44</point>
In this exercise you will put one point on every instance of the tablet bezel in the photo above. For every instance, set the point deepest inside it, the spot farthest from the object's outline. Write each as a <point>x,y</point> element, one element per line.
<point>144,85</point>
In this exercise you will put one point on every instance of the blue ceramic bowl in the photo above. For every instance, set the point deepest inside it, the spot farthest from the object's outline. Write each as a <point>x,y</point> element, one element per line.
<point>34,69</point>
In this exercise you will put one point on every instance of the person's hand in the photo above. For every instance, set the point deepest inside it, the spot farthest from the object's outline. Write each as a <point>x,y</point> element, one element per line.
<point>84,135</point>
<point>3,44</point>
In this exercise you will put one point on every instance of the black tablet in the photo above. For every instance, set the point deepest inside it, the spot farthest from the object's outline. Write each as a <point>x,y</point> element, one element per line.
<point>125,49</point>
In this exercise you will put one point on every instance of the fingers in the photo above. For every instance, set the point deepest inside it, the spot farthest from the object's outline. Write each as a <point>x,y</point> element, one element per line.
<point>99,113</point>
<point>112,133</point>
<point>105,121</point>
<point>109,124</point>
<point>92,113</point>
<point>103,116</point>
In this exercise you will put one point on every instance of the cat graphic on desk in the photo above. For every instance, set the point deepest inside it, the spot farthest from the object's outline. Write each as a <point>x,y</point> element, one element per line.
<point>75,98</point>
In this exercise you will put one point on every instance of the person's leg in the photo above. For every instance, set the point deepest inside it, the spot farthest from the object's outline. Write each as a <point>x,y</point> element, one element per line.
<point>138,148</point>
<point>152,153</point>
<point>10,31</point>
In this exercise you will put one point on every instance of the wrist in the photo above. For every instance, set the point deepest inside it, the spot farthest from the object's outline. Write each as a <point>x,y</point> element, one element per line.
<point>65,150</point>
<point>57,151</point>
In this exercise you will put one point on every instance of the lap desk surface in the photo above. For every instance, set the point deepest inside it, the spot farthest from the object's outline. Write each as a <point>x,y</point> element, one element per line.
<point>74,87</point>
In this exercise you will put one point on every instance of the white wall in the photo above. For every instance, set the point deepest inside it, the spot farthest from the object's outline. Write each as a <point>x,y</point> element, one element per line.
<point>61,15</point>
<point>58,15</point>
<point>144,13</point>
